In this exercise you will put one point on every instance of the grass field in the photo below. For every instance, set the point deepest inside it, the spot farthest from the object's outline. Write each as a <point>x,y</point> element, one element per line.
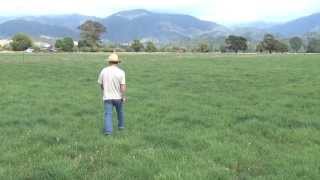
<point>189,116</point>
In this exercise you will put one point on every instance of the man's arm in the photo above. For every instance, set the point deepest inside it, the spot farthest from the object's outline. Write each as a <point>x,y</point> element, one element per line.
<point>123,89</point>
<point>100,80</point>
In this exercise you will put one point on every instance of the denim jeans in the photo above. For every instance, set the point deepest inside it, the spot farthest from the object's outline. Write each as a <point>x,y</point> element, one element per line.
<point>108,106</point>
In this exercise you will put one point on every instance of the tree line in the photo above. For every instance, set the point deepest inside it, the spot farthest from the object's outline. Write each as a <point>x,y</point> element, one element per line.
<point>91,32</point>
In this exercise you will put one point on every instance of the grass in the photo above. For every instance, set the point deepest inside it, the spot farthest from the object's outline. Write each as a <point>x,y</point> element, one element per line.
<point>189,116</point>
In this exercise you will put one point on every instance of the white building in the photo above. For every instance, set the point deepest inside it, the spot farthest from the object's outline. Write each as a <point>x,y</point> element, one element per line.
<point>42,45</point>
<point>29,50</point>
<point>5,42</point>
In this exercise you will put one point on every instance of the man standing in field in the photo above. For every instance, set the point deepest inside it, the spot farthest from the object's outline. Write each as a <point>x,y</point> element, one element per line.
<point>113,84</point>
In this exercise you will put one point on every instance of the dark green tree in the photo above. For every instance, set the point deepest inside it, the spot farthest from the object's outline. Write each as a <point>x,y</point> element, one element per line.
<point>281,47</point>
<point>58,44</point>
<point>269,43</point>
<point>65,44</point>
<point>236,43</point>
<point>260,47</point>
<point>137,46</point>
<point>204,48</point>
<point>21,42</point>
<point>83,44</point>
<point>91,32</point>
<point>223,48</point>
<point>150,47</point>
<point>313,46</point>
<point>296,43</point>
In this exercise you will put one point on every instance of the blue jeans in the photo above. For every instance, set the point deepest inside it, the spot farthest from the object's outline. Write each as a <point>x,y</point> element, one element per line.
<point>108,106</point>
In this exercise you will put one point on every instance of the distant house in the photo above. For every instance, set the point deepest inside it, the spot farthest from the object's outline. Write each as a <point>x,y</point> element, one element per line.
<point>52,49</point>
<point>5,42</point>
<point>125,44</point>
<point>42,45</point>
<point>29,50</point>
<point>46,37</point>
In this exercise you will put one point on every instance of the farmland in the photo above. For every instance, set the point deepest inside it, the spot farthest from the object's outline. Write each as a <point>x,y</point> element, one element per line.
<point>188,116</point>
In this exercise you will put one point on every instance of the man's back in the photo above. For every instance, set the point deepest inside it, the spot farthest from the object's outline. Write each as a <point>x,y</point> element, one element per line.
<point>111,78</point>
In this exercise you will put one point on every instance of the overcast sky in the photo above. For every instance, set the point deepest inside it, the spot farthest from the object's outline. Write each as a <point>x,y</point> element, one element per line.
<point>221,11</point>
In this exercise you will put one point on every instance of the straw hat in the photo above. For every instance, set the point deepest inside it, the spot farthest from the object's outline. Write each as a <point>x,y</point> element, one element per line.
<point>113,58</point>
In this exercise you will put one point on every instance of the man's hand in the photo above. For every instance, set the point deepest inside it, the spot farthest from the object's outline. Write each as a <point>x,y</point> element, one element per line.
<point>124,99</point>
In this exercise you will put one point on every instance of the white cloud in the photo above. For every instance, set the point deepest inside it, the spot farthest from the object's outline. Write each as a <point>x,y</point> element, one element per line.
<point>223,11</point>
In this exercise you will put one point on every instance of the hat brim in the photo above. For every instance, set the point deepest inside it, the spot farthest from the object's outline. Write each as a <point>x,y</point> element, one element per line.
<point>110,60</point>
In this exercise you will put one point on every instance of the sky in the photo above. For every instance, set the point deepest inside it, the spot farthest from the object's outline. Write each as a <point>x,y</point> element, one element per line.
<point>225,12</point>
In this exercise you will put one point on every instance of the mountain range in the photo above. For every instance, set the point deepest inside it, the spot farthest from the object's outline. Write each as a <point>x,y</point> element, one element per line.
<point>299,26</point>
<point>125,26</point>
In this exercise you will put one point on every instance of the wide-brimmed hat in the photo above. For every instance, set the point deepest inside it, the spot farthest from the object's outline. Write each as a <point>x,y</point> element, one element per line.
<point>113,58</point>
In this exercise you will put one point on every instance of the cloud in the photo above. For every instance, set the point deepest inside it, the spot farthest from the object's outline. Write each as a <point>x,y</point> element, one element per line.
<point>226,11</point>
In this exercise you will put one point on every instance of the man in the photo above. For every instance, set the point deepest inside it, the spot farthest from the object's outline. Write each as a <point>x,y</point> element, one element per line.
<point>113,84</point>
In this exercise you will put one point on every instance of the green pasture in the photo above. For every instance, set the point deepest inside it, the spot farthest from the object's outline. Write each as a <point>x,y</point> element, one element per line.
<point>188,116</point>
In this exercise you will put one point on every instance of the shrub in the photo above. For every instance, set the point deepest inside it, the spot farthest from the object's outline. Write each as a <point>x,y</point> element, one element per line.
<point>151,47</point>
<point>65,44</point>
<point>21,42</point>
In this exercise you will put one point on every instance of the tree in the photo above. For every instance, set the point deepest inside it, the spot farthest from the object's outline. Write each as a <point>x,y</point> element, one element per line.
<point>236,43</point>
<point>65,44</point>
<point>260,47</point>
<point>151,47</point>
<point>83,44</point>
<point>58,44</point>
<point>21,42</point>
<point>91,32</point>
<point>296,43</point>
<point>313,46</point>
<point>223,49</point>
<point>137,46</point>
<point>269,43</point>
<point>281,47</point>
<point>204,47</point>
